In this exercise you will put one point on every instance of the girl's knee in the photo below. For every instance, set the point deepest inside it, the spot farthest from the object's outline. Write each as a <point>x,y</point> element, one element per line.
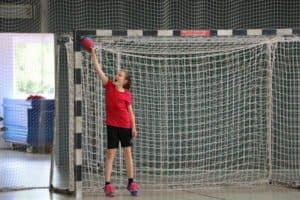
<point>127,151</point>
<point>110,153</point>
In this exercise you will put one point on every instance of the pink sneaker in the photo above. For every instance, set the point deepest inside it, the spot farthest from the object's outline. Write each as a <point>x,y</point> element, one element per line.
<point>133,189</point>
<point>109,190</point>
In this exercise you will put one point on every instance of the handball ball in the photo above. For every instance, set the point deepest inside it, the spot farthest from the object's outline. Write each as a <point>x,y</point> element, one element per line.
<point>87,43</point>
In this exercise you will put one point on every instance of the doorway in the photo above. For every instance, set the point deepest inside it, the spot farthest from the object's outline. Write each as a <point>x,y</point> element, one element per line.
<point>27,68</point>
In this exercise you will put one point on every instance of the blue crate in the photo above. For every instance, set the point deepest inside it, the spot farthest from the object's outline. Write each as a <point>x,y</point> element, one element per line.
<point>41,122</point>
<point>29,122</point>
<point>15,120</point>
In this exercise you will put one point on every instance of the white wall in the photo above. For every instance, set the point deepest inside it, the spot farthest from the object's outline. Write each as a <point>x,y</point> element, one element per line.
<point>6,74</point>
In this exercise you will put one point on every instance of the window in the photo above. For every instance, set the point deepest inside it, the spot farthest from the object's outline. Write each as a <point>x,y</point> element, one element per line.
<point>34,69</point>
<point>27,65</point>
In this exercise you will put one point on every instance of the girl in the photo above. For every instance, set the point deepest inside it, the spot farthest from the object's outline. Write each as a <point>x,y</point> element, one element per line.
<point>120,121</point>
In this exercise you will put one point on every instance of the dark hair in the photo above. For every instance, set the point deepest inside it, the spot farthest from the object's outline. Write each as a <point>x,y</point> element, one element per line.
<point>128,78</point>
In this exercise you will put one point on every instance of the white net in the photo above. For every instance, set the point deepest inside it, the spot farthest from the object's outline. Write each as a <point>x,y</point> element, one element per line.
<point>69,15</point>
<point>202,108</point>
<point>286,113</point>
<point>64,16</point>
<point>22,16</point>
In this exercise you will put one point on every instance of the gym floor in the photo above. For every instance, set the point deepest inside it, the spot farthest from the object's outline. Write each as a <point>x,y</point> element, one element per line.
<point>26,170</point>
<point>257,193</point>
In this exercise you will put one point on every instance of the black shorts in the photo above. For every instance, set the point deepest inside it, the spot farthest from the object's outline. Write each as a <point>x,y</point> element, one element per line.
<point>116,135</point>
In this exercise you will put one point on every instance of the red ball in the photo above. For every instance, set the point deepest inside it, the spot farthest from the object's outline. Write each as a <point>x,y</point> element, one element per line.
<point>87,43</point>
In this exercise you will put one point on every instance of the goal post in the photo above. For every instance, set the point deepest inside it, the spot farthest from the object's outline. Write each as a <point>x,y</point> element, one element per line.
<point>210,107</point>
<point>62,173</point>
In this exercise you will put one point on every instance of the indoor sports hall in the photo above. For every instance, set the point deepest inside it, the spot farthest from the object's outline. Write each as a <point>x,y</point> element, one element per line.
<point>213,107</point>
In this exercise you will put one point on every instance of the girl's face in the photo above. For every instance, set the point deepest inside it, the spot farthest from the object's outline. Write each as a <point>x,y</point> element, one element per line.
<point>120,78</point>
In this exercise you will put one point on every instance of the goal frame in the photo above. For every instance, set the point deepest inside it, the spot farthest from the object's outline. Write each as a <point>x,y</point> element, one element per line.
<point>76,106</point>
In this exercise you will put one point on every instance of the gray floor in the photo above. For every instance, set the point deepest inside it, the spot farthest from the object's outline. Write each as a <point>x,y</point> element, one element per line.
<point>26,170</point>
<point>259,193</point>
<point>18,169</point>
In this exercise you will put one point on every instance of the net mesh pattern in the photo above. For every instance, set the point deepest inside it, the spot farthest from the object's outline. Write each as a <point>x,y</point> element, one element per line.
<point>61,16</point>
<point>202,111</point>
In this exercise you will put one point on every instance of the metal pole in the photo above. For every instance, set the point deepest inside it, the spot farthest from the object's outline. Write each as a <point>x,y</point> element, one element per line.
<point>44,16</point>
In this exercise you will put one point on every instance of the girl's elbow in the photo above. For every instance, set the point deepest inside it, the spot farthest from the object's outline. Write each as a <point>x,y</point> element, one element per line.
<point>132,113</point>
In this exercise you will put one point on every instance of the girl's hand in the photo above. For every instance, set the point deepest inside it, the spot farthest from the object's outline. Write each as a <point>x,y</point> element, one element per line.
<point>134,132</point>
<point>93,52</point>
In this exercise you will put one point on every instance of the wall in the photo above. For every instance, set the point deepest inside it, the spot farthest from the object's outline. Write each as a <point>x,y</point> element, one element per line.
<point>6,73</point>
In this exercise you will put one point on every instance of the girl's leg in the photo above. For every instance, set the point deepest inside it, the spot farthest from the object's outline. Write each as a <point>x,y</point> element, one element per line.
<point>110,155</point>
<point>132,186</point>
<point>128,161</point>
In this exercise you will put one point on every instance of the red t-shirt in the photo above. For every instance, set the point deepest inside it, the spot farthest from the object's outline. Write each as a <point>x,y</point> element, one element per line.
<point>117,103</point>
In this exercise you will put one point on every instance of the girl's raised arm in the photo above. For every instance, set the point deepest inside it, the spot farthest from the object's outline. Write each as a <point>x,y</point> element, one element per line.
<point>98,67</point>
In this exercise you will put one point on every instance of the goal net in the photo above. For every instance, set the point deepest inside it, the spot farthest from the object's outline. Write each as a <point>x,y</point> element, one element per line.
<point>285,151</point>
<point>208,110</point>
